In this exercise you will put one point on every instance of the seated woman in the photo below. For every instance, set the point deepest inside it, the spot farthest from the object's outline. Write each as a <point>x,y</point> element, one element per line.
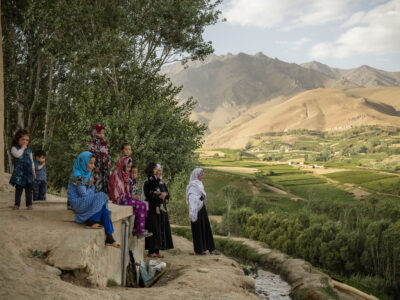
<point>201,230</point>
<point>90,207</point>
<point>120,193</point>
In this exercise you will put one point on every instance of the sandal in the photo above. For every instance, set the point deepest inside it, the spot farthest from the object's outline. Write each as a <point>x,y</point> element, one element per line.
<point>94,226</point>
<point>16,207</point>
<point>153,255</point>
<point>29,207</point>
<point>215,252</point>
<point>114,244</point>
<point>160,255</point>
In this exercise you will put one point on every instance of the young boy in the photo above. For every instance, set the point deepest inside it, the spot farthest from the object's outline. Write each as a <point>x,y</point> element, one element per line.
<point>126,149</point>
<point>40,184</point>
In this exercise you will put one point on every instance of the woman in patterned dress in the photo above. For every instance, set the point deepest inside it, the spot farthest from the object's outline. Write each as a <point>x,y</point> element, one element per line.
<point>102,155</point>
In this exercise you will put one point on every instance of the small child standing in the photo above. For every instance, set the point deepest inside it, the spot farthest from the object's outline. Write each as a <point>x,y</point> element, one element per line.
<point>139,207</point>
<point>24,168</point>
<point>40,184</point>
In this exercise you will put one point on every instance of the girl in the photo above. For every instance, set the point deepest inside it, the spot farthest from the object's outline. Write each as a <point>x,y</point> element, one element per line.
<point>153,196</point>
<point>90,207</point>
<point>123,192</point>
<point>24,168</point>
<point>166,237</point>
<point>201,230</point>
<point>103,159</point>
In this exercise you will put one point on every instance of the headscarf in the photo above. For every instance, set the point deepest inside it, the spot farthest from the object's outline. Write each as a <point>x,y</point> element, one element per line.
<point>159,167</point>
<point>80,171</point>
<point>194,191</point>
<point>95,138</point>
<point>119,180</point>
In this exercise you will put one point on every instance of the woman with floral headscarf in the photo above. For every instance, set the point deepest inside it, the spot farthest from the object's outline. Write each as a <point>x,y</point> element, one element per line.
<point>90,207</point>
<point>99,148</point>
<point>201,230</point>
<point>120,193</point>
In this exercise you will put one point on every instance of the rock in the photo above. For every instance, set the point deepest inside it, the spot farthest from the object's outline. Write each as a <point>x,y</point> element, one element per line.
<point>247,282</point>
<point>54,270</point>
<point>203,270</point>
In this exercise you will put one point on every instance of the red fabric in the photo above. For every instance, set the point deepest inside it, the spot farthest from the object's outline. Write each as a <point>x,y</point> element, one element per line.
<point>118,186</point>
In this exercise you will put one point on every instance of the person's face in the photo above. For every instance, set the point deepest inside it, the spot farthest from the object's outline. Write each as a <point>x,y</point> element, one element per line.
<point>90,165</point>
<point>23,140</point>
<point>127,151</point>
<point>128,167</point>
<point>201,176</point>
<point>101,134</point>
<point>134,172</point>
<point>158,172</point>
<point>155,170</point>
<point>41,159</point>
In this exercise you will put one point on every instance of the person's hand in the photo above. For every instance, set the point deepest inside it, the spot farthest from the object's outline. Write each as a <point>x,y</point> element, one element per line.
<point>34,176</point>
<point>135,197</point>
<point>43,164</point>
<point>24,146</point>
<point>163,195</point>
<point>97,170</point>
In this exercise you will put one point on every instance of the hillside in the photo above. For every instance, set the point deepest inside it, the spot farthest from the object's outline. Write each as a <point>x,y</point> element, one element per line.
<point>319,109</point>
<point>228,86</point>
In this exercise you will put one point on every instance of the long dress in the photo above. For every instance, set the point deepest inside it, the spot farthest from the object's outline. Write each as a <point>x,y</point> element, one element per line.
<point>166,237</point>
<point>153,220</point>
<point>84,201</point>
<point>103,162</point>
<point>201,231</point>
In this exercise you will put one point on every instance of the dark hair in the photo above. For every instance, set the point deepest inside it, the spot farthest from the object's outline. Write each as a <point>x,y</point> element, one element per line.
<point>40,153</point>
<point>150,168</point>
<point>123,145</point>
<point>19,134</point>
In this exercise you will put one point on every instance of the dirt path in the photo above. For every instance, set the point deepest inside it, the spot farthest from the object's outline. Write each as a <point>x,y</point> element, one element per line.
<point>23,276</point>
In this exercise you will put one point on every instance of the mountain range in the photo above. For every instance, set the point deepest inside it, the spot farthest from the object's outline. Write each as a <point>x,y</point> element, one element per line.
<point>251,94</point>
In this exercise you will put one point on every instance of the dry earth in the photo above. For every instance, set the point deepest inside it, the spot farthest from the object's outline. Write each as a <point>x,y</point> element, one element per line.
<point>23,276</point>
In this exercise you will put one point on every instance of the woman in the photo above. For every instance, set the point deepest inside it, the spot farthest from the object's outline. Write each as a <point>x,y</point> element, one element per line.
<point>201,230</point>
<point>154,197</point>
<point>90,207</point>
<point>166,237</point>
<point>101,153</point>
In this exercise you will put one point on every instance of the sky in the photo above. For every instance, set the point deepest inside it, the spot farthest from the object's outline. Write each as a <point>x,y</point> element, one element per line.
<point>340,33</point>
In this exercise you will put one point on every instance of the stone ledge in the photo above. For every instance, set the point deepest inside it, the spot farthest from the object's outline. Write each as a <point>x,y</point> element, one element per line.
<point>117,212</point>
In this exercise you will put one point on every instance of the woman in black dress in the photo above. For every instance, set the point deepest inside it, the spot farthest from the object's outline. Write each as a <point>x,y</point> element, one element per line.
<point>201,230</point>
<point>154,197</point>
<point>166,237</point>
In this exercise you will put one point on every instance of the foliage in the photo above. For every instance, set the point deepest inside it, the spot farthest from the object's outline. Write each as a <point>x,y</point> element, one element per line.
<point>74,64</point>
<point>177,207</point>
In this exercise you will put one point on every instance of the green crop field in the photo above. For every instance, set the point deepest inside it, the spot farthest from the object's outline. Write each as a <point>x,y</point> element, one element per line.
<point>358,177</point>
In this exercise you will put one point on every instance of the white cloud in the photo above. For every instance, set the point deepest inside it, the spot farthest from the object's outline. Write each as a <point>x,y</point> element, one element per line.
<point>285,13</point>
<point>295,45</point>
<point>374,32</point>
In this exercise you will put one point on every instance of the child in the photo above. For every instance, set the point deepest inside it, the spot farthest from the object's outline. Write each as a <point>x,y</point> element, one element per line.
<point>24,168</point>
<point>40,184</point>
<point>139,207</point>
<point>126,150</point>
<point>103,159</point>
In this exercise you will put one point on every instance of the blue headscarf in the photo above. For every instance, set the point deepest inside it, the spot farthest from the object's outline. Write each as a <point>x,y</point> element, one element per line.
<point>80,171</point>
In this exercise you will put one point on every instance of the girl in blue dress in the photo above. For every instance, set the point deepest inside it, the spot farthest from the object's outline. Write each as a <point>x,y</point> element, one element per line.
<point>90,207</point>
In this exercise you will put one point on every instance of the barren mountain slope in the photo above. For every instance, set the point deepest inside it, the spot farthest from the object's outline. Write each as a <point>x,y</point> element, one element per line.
<point>319,109</point>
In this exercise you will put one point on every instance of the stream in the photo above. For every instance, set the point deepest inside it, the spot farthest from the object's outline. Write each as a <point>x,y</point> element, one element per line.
<point>269,285</point>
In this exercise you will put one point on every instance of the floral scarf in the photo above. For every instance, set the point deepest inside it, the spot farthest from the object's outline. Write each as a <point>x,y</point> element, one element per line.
<point>99,147</point>
<point>118,185</point>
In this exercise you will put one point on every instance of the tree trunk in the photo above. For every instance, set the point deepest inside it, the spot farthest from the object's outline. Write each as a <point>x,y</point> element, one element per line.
<point>49,93</point>
<point>2,119</point>
<point>37,87</point>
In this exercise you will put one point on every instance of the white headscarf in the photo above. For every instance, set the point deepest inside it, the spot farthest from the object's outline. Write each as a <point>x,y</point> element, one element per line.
<point>158,168</point>
<point>194,191</point>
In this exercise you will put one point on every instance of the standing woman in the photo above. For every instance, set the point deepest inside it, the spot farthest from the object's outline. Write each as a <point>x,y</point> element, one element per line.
<point>201,230</point>
<point>153,196</point>
<point>99,148</point>
<point>166,237</point>
<point>90,207</point>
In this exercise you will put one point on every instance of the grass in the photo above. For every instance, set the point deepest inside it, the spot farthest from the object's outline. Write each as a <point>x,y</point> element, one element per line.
<point>358,177</point>
<point>295,180</point>
<point>323,192</point>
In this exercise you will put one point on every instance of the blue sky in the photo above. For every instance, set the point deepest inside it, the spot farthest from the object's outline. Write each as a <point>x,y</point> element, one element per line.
<point>340,33</point>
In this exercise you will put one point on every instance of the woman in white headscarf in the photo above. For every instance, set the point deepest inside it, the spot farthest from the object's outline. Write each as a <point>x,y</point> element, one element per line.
<point>201,230</point>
